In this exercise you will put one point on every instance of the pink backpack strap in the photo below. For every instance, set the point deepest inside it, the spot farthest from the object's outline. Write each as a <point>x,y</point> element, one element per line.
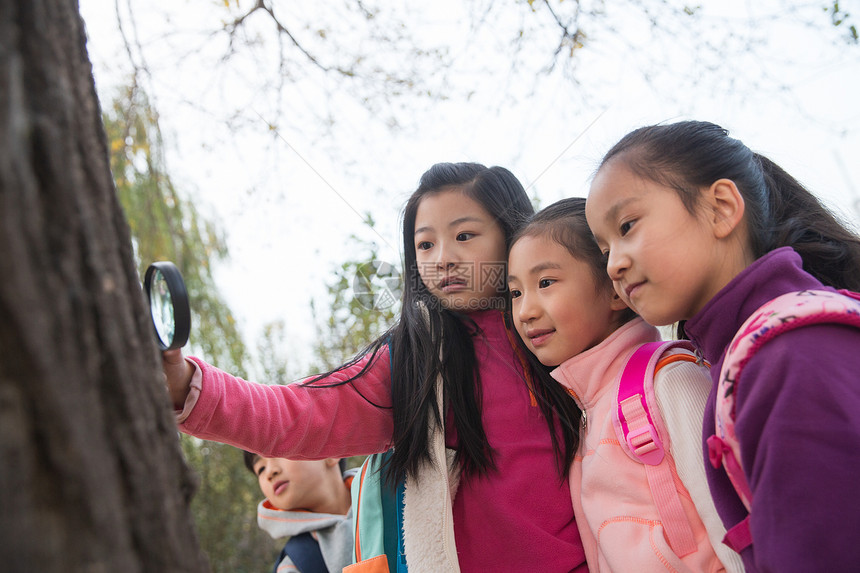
<point>639,425</point>
<point>786,312</point>
<point>739,537</point>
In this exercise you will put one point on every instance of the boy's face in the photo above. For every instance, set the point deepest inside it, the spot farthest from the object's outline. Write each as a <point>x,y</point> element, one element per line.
<point>293,484</point>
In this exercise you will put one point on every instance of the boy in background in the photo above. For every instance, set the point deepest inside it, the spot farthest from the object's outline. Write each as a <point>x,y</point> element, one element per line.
<point>309,502</point>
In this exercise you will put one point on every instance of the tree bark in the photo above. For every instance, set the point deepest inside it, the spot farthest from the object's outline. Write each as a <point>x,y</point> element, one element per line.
<point>91,473</point>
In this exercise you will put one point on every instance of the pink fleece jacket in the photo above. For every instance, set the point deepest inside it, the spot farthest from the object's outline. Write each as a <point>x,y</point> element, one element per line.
<point>517,518</point>
<point>618,521</point>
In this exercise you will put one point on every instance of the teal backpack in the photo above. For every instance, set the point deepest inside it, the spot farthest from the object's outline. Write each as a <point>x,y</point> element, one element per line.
<point>378,514</point>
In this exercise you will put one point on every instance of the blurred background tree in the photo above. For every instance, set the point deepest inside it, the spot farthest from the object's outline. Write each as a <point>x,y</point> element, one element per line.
<point>165,225</point>
<point>362,302</point>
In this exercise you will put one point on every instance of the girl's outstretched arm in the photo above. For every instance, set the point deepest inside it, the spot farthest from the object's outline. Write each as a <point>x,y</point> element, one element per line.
<point>290,421</point>
<point>178,374</point>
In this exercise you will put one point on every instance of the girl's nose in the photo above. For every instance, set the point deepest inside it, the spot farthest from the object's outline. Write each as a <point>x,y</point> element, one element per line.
<point>446,257</point>
<point>526,309</point>
<point>616,263</point>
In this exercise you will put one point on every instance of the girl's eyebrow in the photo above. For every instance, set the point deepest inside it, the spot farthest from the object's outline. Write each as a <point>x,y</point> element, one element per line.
<point>544,266</point>
<point>454,223</point>
<point>538,268</point>
<point>612,213</point>
<point>466,219</point>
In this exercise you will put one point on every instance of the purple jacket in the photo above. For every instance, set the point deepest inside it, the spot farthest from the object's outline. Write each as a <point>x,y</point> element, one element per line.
<point>798,424</point>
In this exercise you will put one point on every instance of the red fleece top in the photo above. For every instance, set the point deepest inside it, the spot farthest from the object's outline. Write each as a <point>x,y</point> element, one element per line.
<point>518,518</point>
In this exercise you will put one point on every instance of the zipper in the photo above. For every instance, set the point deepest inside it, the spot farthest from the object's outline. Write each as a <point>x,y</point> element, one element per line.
<point>584,419</point>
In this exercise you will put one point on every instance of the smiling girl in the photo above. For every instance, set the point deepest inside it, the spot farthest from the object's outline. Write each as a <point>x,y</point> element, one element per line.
<point>569,316</point>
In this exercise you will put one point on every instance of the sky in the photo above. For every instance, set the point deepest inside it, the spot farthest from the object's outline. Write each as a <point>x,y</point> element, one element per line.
<point>289,166</point>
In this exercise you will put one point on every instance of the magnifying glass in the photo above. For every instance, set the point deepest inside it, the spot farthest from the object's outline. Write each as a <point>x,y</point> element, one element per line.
<point>168,304</point>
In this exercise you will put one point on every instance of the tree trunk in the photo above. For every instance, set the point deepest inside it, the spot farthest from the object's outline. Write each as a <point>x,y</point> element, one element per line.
<point>91,473</point>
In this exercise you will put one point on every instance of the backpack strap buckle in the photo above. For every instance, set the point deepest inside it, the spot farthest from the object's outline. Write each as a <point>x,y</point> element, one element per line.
<point>641,437</point>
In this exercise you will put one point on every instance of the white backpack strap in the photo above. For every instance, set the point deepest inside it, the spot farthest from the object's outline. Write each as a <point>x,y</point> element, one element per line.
<point>641,431</point>
<point>786,312</point>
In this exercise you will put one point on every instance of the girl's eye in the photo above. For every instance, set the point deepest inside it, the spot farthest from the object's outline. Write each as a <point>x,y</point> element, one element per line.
<point>516,293</point>
<point>625,227</point>
<point>465,236</point>
<point>423,245</point>
<point>543,283</point>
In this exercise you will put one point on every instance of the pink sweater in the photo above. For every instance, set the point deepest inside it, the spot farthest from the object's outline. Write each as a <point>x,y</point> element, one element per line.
<point>518,518</point>
<point>618,520</point>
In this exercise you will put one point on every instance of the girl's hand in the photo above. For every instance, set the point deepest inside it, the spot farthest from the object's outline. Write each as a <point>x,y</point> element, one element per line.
<point>177,372</point>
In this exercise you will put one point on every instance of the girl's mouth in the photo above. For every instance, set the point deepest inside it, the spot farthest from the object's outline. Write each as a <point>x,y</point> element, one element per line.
<point>630,290</point>
<point>539,337</point>
<point>280,487</point>
<point>452,284</point>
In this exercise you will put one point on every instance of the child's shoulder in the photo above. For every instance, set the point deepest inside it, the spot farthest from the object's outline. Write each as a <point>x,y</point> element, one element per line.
<point>681,366</point>
<point>670,359</point>
<point>800,308</point>
<point>795,327</point>
<point>682,381</point>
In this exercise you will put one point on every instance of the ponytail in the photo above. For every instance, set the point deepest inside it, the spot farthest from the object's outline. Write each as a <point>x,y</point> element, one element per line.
<point>797,219</point>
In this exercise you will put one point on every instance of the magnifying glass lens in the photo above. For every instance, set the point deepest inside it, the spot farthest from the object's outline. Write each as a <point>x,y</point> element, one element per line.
<point>168,304</point>
<point>161,306</point>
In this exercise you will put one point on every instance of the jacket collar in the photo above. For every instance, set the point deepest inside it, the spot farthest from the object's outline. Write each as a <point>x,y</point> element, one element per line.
<point>590,374</point>
<point>776,273</point>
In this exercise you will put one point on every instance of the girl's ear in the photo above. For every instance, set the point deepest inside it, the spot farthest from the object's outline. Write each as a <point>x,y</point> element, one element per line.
<point>615,303</point>
<point>726,206</point>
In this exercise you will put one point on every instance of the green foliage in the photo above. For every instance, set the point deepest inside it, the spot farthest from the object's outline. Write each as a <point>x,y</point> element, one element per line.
<point>362,304</point>
<point>355,319</point>
<point>843,20</point>
<point>166,226</point>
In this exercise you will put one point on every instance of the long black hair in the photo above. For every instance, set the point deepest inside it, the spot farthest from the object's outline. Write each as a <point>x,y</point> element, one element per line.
<point>429,341</point>
<point>690,155</point>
